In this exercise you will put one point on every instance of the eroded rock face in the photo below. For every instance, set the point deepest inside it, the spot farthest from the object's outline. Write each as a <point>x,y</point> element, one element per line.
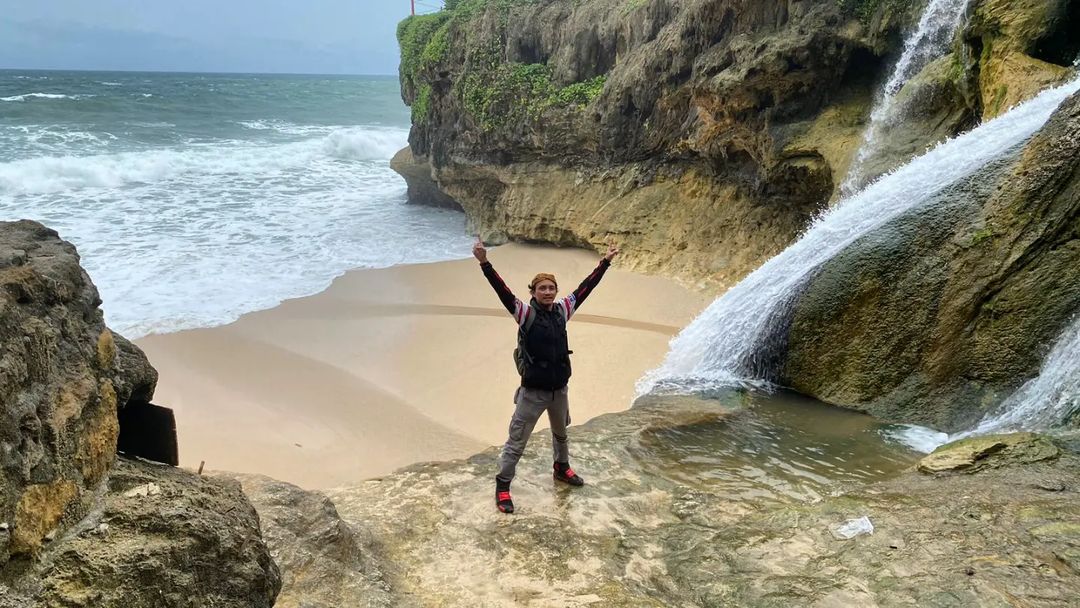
<point>63,375</point>
<point>731,122</point>
<point>938,316</point>
<point>76,527</point>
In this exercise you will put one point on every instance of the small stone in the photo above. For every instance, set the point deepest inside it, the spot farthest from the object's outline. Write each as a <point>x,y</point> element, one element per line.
<point>1051,485</point>
<point>969,571</point>
<point>101,529</point>
<point>51,536</point>
<point>4,526</point>
<point>149,489</point>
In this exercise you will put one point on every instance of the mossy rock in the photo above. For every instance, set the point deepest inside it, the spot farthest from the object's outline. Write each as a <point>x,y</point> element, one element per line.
<point>989,451</point>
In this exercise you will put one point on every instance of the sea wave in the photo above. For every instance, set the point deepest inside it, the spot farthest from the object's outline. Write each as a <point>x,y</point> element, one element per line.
<point>26,96</point>
<point>364,144</point>
<point>63,173</point>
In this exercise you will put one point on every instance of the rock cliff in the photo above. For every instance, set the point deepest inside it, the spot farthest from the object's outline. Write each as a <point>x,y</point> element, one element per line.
<point>701,135</point>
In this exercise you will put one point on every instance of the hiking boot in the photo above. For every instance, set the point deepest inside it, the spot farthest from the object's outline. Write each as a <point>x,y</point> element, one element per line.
<point>503,501</point>
<point>562,472</point>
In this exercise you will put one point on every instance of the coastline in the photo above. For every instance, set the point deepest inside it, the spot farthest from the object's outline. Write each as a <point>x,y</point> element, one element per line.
<point>389,367</point>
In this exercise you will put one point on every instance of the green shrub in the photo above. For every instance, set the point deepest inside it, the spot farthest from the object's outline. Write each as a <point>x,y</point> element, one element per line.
<point>521,91</point>
<point>413,34</point>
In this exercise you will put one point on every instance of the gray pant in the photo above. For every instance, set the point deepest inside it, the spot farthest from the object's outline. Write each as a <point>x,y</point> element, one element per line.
<point>530,403</point>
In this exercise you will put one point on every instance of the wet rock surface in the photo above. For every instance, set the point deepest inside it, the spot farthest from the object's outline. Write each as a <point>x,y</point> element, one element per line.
<point>642,532</point>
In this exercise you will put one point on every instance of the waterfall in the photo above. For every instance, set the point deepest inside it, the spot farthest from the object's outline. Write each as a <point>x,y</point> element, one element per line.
<point>1048,400</point>
<point>721,347</point>
<point>1045,401</point>
<point>929,41</point>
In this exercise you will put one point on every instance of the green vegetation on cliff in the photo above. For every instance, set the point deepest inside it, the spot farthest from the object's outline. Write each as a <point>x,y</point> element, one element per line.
<point>494,91</point>
<point>415,34</point>
<point>514,91</point>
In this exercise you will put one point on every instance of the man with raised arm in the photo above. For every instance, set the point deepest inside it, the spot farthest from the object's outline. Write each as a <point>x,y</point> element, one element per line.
<point>543,362</point>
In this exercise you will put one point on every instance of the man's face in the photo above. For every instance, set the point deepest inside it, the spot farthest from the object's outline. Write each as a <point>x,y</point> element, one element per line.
<point>545,292</point>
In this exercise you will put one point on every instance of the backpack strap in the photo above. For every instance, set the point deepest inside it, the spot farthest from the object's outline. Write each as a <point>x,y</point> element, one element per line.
<point>523,330</point>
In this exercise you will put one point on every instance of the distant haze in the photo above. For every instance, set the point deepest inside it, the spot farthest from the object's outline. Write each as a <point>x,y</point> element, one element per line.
<point>316,36</point>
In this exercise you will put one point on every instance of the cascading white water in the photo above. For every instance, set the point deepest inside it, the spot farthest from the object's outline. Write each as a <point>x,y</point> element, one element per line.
<point>715,349</point>
<point>1046,400</point>
<point>929,41</point>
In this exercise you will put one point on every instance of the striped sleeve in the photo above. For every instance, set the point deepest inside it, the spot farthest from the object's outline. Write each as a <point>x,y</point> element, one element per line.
<point>518,309</point>
<point>574,301</point>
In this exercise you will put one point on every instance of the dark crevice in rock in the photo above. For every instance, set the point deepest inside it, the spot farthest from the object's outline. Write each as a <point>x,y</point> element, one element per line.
<point>1060,45</point>
<point>148,431</point>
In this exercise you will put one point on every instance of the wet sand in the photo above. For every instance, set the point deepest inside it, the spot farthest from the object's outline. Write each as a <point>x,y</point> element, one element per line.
<point>395,366</point>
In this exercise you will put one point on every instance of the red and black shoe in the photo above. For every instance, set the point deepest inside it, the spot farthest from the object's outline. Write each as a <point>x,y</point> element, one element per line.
<point>565,474</point>
<point>503,502</point>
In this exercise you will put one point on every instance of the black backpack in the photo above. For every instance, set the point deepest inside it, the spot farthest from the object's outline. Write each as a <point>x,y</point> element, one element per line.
<point>542,355</point>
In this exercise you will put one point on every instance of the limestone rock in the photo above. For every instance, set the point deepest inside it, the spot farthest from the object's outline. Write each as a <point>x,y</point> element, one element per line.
<point>691,133</point>
<point>324,562</point>
<point>421,188</point>
<point>1022,47</point>
<point>989,451</point>
<point>194,542</point>
<point>76,528</point>
<point>939,315</point>
<point>58,378</point>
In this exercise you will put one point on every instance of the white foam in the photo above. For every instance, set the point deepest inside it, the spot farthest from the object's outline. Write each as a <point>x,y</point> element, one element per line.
<point>363,144</point>
<point>194,237</point>
<point>59,174</point>
<point>918,438</point>
<point>26,96</point>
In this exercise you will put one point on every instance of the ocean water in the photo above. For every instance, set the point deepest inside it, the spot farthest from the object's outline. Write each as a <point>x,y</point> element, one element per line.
<point>194,198</point>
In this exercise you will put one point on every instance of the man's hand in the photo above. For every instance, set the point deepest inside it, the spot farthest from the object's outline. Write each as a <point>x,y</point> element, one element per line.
<point>478,250</point>
<point>612,251</point>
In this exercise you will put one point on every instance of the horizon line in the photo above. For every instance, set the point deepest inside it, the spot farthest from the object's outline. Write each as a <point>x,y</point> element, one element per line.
<point>216,72</point>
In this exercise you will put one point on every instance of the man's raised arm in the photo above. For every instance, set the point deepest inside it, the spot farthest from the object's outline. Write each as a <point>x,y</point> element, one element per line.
<point>575,299</point>
<point>509,301</point>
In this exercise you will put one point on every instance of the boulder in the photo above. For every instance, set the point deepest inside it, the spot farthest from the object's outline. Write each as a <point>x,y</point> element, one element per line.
<point>325,562</point>
<point>160,536</point>
<point>989,451</point>
<point>78,528</point>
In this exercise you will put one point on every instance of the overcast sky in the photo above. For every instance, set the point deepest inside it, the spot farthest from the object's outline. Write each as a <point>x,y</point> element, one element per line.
<point>299,36</point>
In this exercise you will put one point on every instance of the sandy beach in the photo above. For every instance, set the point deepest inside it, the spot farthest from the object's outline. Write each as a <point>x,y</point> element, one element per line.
<point>400,365</point>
